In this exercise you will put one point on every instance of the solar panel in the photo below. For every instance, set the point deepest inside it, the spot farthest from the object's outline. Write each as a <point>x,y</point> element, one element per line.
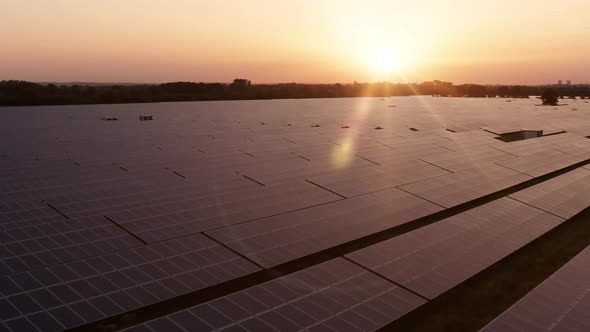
<point>564,196</point>
<point>278,239</point>
<point>82,291</point>
<point>560,303</point>
<point>540,163</point>
<point>60,241</point>
<point>336,295</point>
<point>435,258</point>
<point>524,148</point>
<point>460,187</point>
<point>462,160</point>
<point>28,217</point>
<point>189,216</point>
<point>363,180</point>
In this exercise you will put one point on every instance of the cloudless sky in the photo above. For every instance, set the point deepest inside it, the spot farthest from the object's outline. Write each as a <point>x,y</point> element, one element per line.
<point>499,41</point>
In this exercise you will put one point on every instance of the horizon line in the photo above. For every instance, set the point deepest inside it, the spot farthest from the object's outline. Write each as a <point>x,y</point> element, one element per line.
<point>107,83</point>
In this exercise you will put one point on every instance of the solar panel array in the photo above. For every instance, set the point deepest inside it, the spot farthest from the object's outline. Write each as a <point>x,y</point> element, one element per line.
<point>80,291</point>
<point>427,262</point>
<point>563,196</point>
<point>466,185</point>
<point>333,296</point>
<point>435,258</point>
<point>100,218</point>
<point>560,303</point>
<point>275,240</point>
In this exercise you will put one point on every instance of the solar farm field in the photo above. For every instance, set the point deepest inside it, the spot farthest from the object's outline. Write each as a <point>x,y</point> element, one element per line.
<point>354,214</point>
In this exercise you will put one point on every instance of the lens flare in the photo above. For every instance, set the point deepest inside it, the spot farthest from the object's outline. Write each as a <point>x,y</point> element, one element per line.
<point>343,154</point>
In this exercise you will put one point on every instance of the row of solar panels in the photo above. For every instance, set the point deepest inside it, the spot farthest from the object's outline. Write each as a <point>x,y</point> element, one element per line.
<point>560,303</point>
<point>427,261</point>
<point>341,295</point>
<point>128,198</point>
<point>163,210</point>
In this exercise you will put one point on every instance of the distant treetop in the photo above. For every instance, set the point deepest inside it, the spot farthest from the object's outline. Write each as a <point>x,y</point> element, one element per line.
<point>241,83</point>
<point>549,97</point>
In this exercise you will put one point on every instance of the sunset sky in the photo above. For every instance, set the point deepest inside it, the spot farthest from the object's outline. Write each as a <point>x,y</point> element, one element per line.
<point>267,41</point>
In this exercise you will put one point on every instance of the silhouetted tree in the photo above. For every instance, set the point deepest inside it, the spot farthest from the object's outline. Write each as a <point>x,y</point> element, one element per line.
<point>52,89</point>
<point>515,92</point>
<point>75,89</point>
<point>471,90</point>
<point>241,83</point>
<point>549,97</point>
<point>503,92</point>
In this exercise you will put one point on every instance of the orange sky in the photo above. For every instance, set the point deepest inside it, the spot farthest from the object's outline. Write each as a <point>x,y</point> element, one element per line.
<point>508,42</point>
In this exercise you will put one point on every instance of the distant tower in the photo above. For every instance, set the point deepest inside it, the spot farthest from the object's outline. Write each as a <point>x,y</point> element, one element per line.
<point>560,82</point>
<point>569,82</point>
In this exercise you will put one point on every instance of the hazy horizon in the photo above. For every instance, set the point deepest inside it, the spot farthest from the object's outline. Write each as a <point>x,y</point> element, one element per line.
<point>291,82</point>
<point>503,42</point>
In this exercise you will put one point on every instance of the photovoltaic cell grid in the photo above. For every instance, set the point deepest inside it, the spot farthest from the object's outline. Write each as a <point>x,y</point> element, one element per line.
<point>465,185</point>
<point>81,197</point>
<point>60,241</point>
<point>470,242</point>
<point>466,158</point>
<point>560,303</point>
<point>187,216</point>
<point>540,163</point>
<point>333,296</point>
<point>275,240</point>
<point>564,196</point>
<point>71,294</point>
<point>435,258</point>
<point>363,180</point>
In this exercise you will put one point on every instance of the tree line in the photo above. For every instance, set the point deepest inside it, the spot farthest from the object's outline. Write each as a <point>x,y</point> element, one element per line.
<point>20,93</point>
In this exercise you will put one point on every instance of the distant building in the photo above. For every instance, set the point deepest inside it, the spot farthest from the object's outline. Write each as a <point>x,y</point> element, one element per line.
<point>560,82</point>
<point>569,82</point>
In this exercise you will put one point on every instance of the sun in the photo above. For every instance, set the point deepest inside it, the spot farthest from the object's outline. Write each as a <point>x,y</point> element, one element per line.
<point>383,61</point>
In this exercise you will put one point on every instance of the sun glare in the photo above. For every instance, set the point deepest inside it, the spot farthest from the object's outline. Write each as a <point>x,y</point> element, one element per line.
<point>384,61</point>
